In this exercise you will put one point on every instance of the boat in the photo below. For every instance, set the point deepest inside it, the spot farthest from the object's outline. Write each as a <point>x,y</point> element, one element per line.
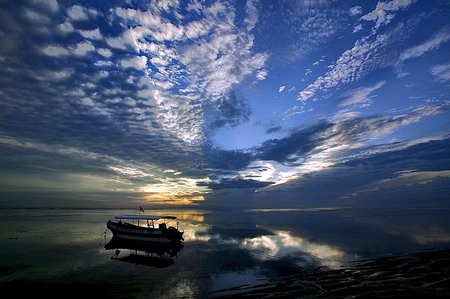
<point>146,228</point>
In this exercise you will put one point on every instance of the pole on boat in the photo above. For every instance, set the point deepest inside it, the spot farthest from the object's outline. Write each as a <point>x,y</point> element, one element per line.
<point>140,210</point>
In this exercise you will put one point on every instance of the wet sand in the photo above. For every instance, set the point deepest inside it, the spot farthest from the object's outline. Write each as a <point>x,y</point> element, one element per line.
<point>424,275</point>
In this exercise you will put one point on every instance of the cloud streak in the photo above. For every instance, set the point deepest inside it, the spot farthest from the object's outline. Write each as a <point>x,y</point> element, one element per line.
<point>373,51</point>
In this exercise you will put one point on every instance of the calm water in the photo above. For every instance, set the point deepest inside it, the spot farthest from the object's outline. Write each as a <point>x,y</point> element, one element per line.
<point>46,252</point>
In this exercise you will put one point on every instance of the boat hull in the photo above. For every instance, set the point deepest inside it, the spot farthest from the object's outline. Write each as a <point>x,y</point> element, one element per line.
<point>137,233</point>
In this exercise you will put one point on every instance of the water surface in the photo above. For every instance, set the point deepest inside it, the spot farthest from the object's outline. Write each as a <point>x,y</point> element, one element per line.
<point>46,252</point>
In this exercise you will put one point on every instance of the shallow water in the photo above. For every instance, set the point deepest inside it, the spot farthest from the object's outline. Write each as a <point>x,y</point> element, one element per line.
<point>46,252</point>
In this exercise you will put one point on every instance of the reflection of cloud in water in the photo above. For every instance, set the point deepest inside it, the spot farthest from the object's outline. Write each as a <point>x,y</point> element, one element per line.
<point>282,244</point>
<point>421,226</point>
<point>431,235</point>
<point>181,290</point>
<point>272,245</point>
<point>196,232</point>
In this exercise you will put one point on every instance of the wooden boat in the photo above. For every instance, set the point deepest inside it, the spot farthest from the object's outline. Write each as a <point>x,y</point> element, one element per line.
<point>146,228</point>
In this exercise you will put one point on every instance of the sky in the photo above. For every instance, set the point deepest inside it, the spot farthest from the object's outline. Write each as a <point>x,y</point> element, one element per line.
<point>224,103</point>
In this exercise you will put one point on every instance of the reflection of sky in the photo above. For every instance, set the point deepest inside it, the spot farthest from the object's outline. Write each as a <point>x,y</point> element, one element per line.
<point>281,244</point>
<point>330,236</point>
<point>222,248</point>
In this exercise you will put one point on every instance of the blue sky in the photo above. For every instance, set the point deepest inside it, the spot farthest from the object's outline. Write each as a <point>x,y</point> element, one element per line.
<point>120,103</point>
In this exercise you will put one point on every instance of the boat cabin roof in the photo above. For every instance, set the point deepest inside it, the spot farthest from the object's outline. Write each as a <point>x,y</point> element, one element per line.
<point>144,217</point>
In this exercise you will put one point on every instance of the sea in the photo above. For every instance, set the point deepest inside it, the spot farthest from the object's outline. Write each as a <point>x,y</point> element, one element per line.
<point>60,252</point>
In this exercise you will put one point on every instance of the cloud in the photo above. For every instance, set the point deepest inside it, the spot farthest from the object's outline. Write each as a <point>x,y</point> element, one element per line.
<point>235,183</point>
<point>231,110</point>
<point>137,62</point>
<point>431,44</point>
<point>252,14</point>
<point>355,10</point>
<point>360,96</point>
<point>118,100</point>
<point>105,52</point>
<point>91,34</point>
<point>352,65</point>
<point>274,129</point>
<point>80,13</point>
<point>50,5</point>
<point>325,144</point>
<point>55,51</point>
<point>442,72</point>
<point>83,48</point>
<point>296,146</point>
<point>377,177</point>
<point>384,11</point>
<point>411,177</point>
<point>421,150</point>
<point>298,28</point>
<point>369,53</point>
<point>196,67</point>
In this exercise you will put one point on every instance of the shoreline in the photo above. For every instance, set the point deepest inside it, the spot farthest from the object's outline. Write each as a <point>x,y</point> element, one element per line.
<point>425,273</point>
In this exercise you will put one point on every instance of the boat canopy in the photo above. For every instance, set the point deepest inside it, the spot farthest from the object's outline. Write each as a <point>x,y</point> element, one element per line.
<point>144,217</point>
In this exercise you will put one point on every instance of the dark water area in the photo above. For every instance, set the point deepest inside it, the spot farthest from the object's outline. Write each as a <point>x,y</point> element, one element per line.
<point>62,252</point>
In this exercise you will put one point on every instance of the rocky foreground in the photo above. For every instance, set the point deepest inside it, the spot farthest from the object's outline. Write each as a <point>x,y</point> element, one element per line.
<point>423,275</point>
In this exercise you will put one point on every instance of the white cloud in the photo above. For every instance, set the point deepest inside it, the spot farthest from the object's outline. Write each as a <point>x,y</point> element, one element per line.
<point>66,27</point>
<point>355,10</point>
<point>358,28</point>
<point>91,34</point>
<point>261,74</point>
<point>210,66</point>
<point>442,72</point>
<point>138,62</point>
<point>105,52</point>
<point>202,59</point>
<point>281,88</point>
<point>77,12</point>
<point>83,48</point>
<point>80,13</point>
<point>360,96</point>
<point>346,114</point>
<point>431,44</point>
<point>55,51</point>
<point>252,14</point>
<point>384,11</point>
<point>195,29</point>
<point>117,42</point>
<point>368,54</point>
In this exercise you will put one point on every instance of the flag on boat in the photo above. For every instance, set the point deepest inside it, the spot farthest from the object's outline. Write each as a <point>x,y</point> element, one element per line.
<point>141,209</point>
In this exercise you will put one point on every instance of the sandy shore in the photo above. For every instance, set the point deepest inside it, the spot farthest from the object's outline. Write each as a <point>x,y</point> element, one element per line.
<point>424,275</point>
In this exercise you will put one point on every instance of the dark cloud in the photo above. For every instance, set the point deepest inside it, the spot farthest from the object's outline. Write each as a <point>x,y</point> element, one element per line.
<point>433,155</point>
<point>231,110</point>
<point>236,183</point>
<point>381,177</point>
<point>227,159</point>
<point>275,129</point>
<point>295,146</point>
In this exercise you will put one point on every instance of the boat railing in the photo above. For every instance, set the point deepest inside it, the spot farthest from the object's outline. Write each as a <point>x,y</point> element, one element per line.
<point>180,227</point>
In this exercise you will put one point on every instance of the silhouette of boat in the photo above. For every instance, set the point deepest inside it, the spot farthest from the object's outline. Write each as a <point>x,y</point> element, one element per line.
<point>146,228</point>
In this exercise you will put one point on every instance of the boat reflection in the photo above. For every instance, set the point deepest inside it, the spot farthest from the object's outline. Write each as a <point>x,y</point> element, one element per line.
<point>159,255</point>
